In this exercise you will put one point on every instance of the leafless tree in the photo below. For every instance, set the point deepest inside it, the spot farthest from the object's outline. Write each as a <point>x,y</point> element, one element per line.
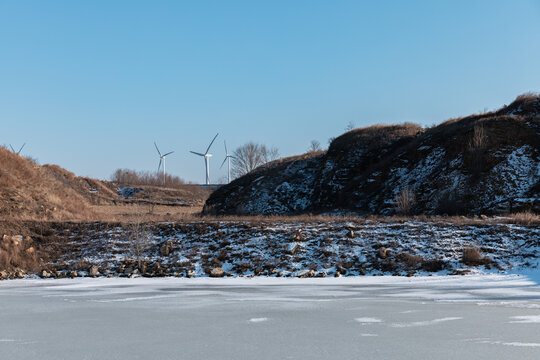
<point>250,156</point>
<point>350,126</point>
<point>314,146</point>
<point>140,237</point>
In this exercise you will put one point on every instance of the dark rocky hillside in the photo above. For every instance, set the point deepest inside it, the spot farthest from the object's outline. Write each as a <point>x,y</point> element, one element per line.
<point>481,164</point>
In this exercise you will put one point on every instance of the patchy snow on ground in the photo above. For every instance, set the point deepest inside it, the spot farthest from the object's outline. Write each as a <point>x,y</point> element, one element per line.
<point>301,249</point>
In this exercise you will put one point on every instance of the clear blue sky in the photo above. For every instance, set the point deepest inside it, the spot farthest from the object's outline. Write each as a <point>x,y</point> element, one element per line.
<point>89,85</point>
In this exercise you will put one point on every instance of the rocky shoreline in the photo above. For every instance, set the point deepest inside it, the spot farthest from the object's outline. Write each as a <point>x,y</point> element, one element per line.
<point>280,249</point>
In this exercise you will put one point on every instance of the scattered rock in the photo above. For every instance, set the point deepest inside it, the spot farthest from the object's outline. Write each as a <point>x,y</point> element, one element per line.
<point>3,275</point>
<point>383,253</point>
<point>19,273</point>
<point>292,248</point>
<point>350,234</point>
<point>30,250</point>
<point>14,240</point>
<point>190,274</point>
<point>217,272</point>
<point>305,273</point>
<point>45,274</point>
<point>460,272</point>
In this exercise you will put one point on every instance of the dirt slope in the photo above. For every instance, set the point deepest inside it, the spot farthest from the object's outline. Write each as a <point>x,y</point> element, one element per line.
<point>481,164</point>
<point>50,193</point>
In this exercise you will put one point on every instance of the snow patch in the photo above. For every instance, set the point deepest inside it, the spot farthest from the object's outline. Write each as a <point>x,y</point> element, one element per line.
<point>424,323</point>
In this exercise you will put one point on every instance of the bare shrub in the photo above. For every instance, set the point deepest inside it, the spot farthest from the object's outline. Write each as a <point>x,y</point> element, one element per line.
<point>140,238</point>
<point>133,177</point>
<point>433,265</point>
<point>478,138</point>
<point>472,256</point>
<point>525,218</point>
<point>410,261</point>
<point>314,146</point>
<point>405,201</point>
<point>350,126</point>
<point>477,149</point>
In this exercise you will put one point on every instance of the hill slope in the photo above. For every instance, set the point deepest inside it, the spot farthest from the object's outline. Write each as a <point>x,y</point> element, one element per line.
<point>486,163</point>
<point>32,192</point>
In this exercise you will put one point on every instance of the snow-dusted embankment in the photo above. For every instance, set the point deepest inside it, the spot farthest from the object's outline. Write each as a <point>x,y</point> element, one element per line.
<point>296,249</point>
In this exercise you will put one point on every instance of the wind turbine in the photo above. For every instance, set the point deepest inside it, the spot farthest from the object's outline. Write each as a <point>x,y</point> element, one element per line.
<point>162,160</point>
<point>17,152</point>
<point>227,157</point>
<point>207,157</point>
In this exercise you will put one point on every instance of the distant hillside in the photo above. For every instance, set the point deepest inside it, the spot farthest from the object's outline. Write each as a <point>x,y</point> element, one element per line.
<point>32,192</point>
<point>480,164</point>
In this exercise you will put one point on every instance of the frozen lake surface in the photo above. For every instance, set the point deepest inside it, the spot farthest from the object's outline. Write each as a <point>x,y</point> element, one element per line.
<point>480,317</point>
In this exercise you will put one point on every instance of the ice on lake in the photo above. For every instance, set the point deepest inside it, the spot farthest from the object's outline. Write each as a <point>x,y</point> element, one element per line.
<point>480,316</point>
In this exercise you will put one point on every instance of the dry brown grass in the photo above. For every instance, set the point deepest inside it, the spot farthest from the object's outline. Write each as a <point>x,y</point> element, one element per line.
<point>29,192</point>
<point>525,218</point>
<point>410,261</point>
<point>472,256</point>
<point>374,136</point>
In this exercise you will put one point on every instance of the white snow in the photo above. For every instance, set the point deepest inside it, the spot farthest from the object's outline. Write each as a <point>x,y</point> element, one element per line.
<point>526,319</point>
<point>258,320</point>
<point>368,320</point>
<point>424,323</point>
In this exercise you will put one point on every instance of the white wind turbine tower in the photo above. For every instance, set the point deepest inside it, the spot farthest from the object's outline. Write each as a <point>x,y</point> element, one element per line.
<point>17,152</point>
<point>207,157</point>
<point>162,160</point>
<point>227,158</point>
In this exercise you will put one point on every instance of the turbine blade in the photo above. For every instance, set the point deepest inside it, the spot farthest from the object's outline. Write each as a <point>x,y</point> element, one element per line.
<point>169,153</point>
<point>157,148</point>
<point>12,149</point>
<point>207,150</point>
<point>159,166</point>
<point>18,152</point>
<point>196,153</point>
<point>226,152</point>
<point>223,163</point>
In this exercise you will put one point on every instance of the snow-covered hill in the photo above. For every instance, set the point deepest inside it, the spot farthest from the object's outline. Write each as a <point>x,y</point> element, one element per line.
<point>481,164</point>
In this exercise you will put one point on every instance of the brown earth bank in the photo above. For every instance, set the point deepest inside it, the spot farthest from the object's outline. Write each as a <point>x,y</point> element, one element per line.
<point>270,247</point>
<point>29,191</point>
<point>480,164</point>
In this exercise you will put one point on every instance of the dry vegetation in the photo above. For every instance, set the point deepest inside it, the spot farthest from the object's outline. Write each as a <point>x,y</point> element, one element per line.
<point>140,178</point>
<point>472,256</point>
<point>374,136</point>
